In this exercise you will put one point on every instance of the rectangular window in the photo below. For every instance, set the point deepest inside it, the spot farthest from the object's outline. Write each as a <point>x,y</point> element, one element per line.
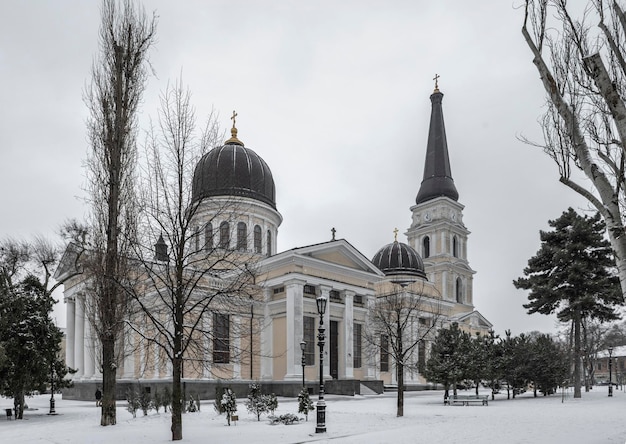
<point>309,337</point>
<point>421,357</point>
<point>384,353</point>
<point>356,346</point>
<point>309,289</point>
<point>358,299</point>
<point>221,338</point>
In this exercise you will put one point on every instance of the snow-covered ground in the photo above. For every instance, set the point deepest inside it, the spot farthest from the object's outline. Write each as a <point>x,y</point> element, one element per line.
<point>595,418</point>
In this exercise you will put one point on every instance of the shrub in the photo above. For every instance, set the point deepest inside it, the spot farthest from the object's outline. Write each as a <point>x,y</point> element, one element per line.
<point>305,405</point>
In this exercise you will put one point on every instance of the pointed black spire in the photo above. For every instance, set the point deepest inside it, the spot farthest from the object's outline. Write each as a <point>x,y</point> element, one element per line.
<point>160,250</point>
<point>437,180</point>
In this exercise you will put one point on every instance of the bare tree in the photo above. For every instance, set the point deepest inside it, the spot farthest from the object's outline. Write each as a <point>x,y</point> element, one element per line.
<point>400,319</point>
<point>583,71</point>
<point>118,80</point>
<point>188,287</point>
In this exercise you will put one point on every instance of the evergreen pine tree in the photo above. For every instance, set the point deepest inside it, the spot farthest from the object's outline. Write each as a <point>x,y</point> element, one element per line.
<point>305,405</point>
<point>573,275</point>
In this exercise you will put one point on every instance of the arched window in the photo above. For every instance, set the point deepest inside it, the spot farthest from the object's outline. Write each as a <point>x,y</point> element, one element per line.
<point>242,236</point>
<point>224,235</point>
<point>257,239</point>
<point>455,247</point>
<point>459,290</point>
<point>269,243</point>
<point>196,238</point>
<point>208,236</point>
<point>426,247</point>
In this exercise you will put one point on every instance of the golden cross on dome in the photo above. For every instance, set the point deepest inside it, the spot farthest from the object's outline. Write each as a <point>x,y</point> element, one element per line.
<point>395,235</point>
<point>233,118</point>
<point>436,79</point>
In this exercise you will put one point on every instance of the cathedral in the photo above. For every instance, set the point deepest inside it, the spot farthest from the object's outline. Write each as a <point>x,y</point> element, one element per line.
<point>282,351</point>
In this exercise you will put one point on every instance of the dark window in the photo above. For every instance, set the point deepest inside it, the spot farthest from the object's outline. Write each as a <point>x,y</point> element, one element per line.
<point>279,290</point>
<point>208,236</point>
<point>421,356</point>
<point>356,346</point>
<point>224,235</point>
<point>455,247</point>
<point>257,239</point>
<point>384,353</point>
<point>309,338</point>
<point>459,291</point>
<point>242,236</point>
<point>335,296</point>
<point>358,299</point>
<point>269,243</point>
<point>221,338</point>
<point>196,238</point>
<point>426,247</point>
<point>309,289</point>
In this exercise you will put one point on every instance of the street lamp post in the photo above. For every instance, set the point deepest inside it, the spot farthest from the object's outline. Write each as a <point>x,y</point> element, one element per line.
<point>52,410</point>
<point>321,405</point>
<point>302,346</point>
<point>610,371</point>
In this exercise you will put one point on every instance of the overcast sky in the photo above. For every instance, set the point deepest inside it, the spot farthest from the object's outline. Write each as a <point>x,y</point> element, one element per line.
<point>334,95</point>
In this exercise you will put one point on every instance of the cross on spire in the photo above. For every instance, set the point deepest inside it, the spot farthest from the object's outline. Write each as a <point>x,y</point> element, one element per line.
<point>233,118</point>
<point>395,235</point>
<point>436,79</point>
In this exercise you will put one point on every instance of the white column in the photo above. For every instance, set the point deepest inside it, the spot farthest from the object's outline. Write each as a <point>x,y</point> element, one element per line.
<point>90,351</point>
<point>79,343</point>
<point>348,331</point>
<point>236,320</point>
<point>267,338</point>
<point>326,293</point>
<point>369,352</point>
<point>129,358</point>
<point>294,311</point>
<point>70,313</point>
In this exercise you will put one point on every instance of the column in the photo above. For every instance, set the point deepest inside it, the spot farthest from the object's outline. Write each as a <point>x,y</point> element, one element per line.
<point>369,351</point>
<point>295,305</point>
<point>90,351</point>
<point>326,293</point>
<point>348,326</point>
<point>267,338</point>
<point>79,343</point>
<point>70,313</point>
<point>236,345</point>
<point>129,356</point>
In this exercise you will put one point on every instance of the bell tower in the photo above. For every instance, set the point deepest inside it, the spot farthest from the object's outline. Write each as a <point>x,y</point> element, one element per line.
<point>437,231</point>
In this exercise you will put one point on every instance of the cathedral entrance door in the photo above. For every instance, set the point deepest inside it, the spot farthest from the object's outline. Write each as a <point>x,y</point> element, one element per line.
<point>334,349</point>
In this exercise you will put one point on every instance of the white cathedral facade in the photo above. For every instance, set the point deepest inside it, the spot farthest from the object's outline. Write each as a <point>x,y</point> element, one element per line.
<point>434,260</point>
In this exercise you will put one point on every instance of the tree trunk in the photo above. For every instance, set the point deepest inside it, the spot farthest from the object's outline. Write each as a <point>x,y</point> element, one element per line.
<point>177,399</point>
<point>109,383</point>
<point>400,376</point>
<point>577,372</point>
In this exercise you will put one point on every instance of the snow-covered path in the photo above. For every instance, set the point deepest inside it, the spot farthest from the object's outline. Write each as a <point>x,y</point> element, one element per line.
<point>595,418</point>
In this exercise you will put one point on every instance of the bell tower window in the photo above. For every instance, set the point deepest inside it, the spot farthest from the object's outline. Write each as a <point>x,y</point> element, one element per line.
<point>459,290</point>
<point>455,247</point>
<point>426,247</point>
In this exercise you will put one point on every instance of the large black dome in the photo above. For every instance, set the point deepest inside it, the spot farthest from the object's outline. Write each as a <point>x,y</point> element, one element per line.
<point>234,170</point>
<point>398,258</point>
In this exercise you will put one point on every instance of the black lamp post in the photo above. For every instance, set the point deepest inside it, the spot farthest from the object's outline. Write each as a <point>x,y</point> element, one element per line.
<point>52,411</point>
<point>321,405</point>
<point>610,371</point>
<point>302,346</point>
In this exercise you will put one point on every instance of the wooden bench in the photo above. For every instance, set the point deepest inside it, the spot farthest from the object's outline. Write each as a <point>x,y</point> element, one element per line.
<point>466,400</point>
<point>9,414</point>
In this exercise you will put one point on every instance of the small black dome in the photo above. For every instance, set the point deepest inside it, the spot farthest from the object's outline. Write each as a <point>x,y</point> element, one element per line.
<point>398,258</point>
<point>233,170</point>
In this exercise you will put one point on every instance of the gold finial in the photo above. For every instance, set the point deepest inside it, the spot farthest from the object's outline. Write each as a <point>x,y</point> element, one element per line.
<point>395,235</point>
<point>436,79</point>
<point>233,132</point>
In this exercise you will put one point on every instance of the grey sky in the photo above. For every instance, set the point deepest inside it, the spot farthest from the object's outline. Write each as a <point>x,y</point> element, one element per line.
<point>334,95</point>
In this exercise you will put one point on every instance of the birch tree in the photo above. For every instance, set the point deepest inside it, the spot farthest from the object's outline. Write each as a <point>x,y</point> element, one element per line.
<point>118,79</point>
<point>582,65</point>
